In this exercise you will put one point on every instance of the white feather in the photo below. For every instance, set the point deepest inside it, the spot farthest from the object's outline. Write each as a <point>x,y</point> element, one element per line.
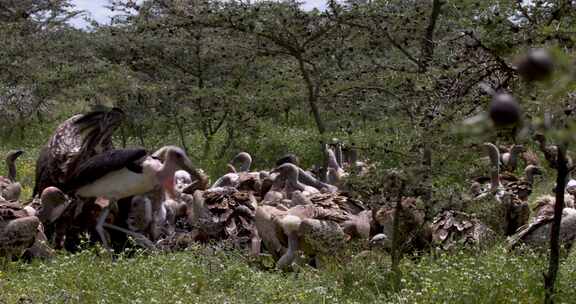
<point>124,183</point>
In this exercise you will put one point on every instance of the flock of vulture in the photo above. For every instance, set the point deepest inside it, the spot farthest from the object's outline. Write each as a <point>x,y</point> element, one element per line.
<point>86,188</point>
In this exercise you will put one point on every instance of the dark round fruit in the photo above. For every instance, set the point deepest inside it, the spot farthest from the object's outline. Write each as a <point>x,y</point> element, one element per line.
<point>504,110</point>
<point>536,65</point>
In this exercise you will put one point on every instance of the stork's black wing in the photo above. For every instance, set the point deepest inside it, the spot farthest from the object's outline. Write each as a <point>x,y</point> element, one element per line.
<point>102,164</point>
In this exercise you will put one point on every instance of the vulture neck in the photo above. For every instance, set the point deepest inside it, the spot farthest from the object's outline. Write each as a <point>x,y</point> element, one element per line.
<point>513,160</point>
<point>278,183</point>
<point>245,166</point>
<point>11,165</point>
<point>293,183</point>
<point>494,155</point>
<point>309,180</point>
<point>333,162</point>
<point>339,156</point>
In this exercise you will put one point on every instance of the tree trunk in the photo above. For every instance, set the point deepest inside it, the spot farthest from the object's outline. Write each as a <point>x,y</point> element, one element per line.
<point>427,166</point>
<point>427,50</point>
<point>207,146</point>
<point>313,91</point>
<point>396,244</point>
<point>180,128</point>
<point>229,141</point>
<point>550,277</point>
<point>139,130</point>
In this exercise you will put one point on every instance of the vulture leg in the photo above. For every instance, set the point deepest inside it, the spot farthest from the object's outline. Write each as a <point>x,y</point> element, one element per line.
<point>255,243</point>
<point>290,255</point>
<point>290,224</point>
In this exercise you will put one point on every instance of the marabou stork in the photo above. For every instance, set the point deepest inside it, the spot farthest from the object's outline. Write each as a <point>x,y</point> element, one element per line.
<point>122,173</point>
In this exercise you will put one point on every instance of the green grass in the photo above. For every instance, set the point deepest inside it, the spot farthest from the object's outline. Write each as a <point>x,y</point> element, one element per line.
<point>201,275</point>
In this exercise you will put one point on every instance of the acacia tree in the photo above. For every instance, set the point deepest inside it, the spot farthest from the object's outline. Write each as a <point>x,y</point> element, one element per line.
<point>37,58</point>
<point>283,31</point>
<point>191,74</point>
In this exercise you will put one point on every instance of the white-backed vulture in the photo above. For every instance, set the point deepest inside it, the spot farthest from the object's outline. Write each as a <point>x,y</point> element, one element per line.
<point>10,189</point>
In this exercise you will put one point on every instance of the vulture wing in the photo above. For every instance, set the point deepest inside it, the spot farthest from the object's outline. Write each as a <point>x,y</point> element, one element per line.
<point>74,141</point>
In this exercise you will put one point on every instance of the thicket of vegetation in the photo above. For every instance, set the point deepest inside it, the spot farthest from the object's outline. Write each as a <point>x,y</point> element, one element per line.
<point>394,78</point>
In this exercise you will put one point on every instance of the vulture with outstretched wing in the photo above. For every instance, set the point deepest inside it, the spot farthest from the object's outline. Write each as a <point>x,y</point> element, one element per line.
<point>75,140</point>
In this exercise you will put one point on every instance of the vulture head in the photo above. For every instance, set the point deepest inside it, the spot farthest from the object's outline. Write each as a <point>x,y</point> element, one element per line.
<point>244,159</point>
<point>53,204</point>
<point>13,155</point>
<point>287,171</point>
<point>11,163</point>
<point>182,179</point>
<point>288,159</point>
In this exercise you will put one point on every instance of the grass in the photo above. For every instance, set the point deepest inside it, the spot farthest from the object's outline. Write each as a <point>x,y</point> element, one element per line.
<point>200,275</point>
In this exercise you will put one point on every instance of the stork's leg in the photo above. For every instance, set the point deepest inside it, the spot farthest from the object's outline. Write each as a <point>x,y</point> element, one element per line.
<point>100,228</point>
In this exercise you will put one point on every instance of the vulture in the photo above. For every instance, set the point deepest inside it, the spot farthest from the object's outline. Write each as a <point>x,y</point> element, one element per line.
<point>241,179</point>
<point>334,172</point>
<point>18,229</point>
<point>148,219</point>
<point>550,152</point>
<point>182,180</point>
<point>305,178</point>
<point>118,174</point>
<point>288,158</point>
<point>10,189</point>
<point>544,206</point>
<point>503,206</point>
<point>315,228</point>
<point>244,160</point>
<point>223,213</point>
<point>75,141</point>
<point>347,158</point>
<point>537,233</point>
<point>290,174</point>
<point>453,228</point>
<point>414,231</point>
